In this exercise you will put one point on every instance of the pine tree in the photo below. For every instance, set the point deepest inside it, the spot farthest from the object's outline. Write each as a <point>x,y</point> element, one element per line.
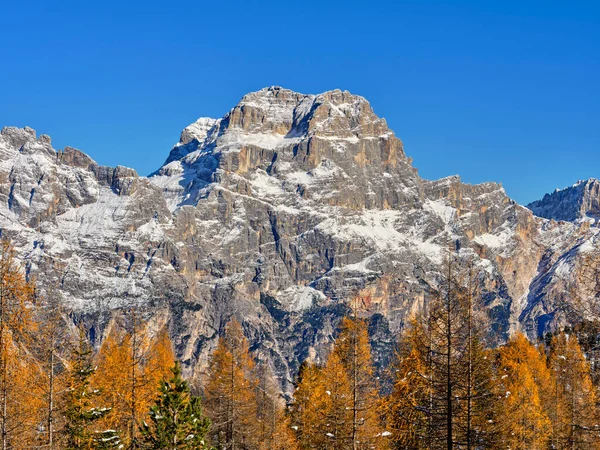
<point>177,421</point>
<point>81,411</point>
<point>231,392</point>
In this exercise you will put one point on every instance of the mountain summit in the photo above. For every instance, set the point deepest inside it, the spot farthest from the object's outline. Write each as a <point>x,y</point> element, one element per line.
<point>281,213</point>
<point>580,201</point>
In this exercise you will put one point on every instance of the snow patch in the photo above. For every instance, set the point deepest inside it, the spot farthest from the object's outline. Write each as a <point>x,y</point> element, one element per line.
<point>298,298</point>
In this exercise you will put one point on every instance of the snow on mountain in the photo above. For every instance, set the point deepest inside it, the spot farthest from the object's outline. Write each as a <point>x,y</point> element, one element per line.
<point>580,201</point>
<point>279,213</point>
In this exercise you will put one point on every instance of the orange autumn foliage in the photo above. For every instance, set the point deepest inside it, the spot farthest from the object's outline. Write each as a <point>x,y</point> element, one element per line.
<point>524,388</point>
<point>129,373</point>
<point>18,398</point>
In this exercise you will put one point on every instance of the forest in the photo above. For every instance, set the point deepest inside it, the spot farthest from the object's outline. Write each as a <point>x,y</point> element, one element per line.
<point>449,385</point>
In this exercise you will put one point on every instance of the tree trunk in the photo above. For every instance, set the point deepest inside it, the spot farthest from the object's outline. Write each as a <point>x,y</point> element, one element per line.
<point>232,403</point>
<point>134,361</point>
<point>355,381</point>
<point>3,367</point>
<point>51,401</point>
<point>470,360</point>
<point>449,361</point>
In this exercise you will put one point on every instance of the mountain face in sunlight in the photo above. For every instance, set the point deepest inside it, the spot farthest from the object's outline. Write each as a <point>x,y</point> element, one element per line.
<point>283,213</point>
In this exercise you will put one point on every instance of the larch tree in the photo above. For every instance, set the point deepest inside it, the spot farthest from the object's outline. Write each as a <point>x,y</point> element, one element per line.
<point>130,369</point>
<point>442,393</point>
<point>582,307</point>
<point>335,426</point>
<point>113,378</point>
<point>49,346</point>
<point>477,425</point>
<point>409,404</point>
<point>230,391</point>
<point>137,397</point>
<point>335,405</point>
<point>445,339</point>
<point>81,408</point>
<point>16,297</point>
<point>26,407</point>
<point>159,361</point>
<point>524,383</point>
<point>273,423</point>
<point>284,437</point>
<point>307,409</point>
<point>574,415</point>
<point>268,404</point>
<point>353,348</point>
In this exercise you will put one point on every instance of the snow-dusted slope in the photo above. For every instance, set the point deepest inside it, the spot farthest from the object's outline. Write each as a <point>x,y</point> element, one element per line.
<point>279,213</point>
<point>80,226</point>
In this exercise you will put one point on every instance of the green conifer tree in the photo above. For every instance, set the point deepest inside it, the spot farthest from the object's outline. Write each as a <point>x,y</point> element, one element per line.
<point>177,421</point>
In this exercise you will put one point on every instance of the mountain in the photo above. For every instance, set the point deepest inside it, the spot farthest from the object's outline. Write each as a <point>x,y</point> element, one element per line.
<point>281,213</point>
<point>580,201</point>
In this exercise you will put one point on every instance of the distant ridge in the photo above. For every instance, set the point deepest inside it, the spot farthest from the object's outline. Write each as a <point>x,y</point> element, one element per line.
<point>580,201</point>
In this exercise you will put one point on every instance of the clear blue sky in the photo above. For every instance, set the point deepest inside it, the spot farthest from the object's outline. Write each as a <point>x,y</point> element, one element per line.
<point>503,91</point>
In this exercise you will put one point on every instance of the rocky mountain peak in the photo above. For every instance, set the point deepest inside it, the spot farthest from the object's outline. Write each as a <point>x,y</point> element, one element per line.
<point>198,130</point>
<point>25,141</point>
<point>18,137</point>
<point>280,213</point>
<point>300,142</point>
<point>284,112</point>
<point>580,201</point>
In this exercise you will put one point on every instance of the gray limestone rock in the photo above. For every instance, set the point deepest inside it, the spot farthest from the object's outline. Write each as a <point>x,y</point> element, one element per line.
<point>582,200</point>
<point>280,213</point>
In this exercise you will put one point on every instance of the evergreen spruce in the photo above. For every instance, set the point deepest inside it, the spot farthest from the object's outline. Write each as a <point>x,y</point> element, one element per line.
<point>176,418</point>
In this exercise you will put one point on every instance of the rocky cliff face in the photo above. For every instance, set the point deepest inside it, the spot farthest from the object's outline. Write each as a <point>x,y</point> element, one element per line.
<point>582,200</point>
<point>280,213</point>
